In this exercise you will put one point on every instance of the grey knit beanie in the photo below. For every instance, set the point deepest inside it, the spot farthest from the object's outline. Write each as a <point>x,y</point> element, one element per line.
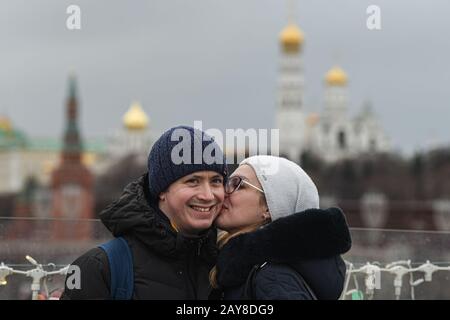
<point>287,188</point>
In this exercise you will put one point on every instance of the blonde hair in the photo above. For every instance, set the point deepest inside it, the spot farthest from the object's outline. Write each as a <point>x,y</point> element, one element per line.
<point>224,237</point>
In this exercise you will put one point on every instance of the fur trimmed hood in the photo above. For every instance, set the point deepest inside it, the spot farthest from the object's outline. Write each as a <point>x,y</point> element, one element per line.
<point>313,234</point>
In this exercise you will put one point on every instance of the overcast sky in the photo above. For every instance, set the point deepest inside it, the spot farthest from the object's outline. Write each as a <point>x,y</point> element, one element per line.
<point>217,61</point>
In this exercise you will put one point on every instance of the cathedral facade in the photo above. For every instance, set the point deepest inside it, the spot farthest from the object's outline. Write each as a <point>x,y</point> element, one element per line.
<point>331,135</point>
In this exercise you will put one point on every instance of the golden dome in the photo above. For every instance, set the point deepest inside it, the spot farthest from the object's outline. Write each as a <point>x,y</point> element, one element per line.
<point>291,38</point>
<point>135,118</point>
<point>89,159</point>
<point>336,77</point>
<point>5,124</point>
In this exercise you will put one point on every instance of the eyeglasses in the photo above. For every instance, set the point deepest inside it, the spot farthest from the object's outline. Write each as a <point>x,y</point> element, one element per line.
<point>235,182</point>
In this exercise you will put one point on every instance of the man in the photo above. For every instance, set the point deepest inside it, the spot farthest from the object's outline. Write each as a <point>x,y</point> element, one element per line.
<point>164,219</point>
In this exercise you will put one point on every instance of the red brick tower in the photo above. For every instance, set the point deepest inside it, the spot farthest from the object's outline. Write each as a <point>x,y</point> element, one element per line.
<point>72,182</point>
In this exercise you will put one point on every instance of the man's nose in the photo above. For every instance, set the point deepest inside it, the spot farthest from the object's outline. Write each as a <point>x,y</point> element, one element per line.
<point>206,193</point>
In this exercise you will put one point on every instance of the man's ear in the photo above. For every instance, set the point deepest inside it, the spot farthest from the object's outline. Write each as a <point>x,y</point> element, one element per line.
<point>162,196</point>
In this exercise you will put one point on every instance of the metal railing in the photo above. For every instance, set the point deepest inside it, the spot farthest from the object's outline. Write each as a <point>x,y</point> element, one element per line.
<point>38,274</point>
<point>372,273</point>
<point>382,264</point>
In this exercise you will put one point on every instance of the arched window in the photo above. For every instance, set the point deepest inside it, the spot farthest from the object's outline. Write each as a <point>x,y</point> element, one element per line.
<point>342,141</point>
<point>372,145</point>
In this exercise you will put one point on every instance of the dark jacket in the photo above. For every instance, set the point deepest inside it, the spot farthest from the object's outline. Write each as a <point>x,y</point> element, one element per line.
<point>308,243</point>
<point>167,265</point>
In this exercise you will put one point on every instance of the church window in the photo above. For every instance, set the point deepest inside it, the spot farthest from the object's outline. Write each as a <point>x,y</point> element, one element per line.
<point>342,143</point>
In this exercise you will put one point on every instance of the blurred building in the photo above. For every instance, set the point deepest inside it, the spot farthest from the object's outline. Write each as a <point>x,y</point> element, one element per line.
<point>22,157</point>
<point>64,179</point>
<point>72,183</point>
<point>12,144</point>
<point>134,138</point>
<point>333,134</point>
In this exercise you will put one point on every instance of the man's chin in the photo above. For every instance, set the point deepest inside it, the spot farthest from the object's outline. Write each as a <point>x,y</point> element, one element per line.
<point>202,223</point>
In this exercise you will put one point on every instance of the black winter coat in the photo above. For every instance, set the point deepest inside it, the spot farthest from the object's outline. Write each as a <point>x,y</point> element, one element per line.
<point>167,265</point>
<point>308,243</point>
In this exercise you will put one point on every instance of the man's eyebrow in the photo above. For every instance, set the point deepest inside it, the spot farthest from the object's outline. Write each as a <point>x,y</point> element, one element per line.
<point>194,177</point>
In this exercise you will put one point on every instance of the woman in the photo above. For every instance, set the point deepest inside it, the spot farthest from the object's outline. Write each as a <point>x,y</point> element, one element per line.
<point>277,243</point>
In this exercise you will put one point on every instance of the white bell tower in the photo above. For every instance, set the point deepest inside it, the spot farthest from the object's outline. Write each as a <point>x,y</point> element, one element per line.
<point>290,117</point>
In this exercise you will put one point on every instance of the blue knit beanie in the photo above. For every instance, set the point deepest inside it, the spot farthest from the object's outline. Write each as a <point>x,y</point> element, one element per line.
<point>179,152</point>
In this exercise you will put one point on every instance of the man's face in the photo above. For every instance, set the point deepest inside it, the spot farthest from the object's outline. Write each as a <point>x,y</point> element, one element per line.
<point>193,202</point>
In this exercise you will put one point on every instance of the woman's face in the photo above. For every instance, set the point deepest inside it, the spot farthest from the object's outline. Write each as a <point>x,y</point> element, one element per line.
<point>245,206</point>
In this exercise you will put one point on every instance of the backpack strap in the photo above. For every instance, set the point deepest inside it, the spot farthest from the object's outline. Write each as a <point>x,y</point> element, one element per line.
<point>249,288</point>
<point>121,268</point>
